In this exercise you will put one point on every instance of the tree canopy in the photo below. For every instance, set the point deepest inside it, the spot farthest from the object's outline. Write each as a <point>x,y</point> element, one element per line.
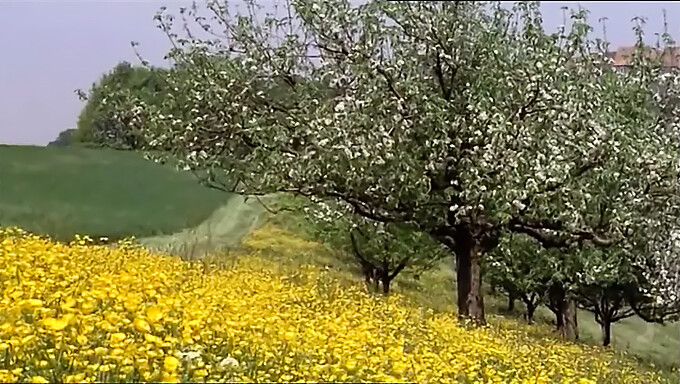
<point>97,126</point>
<point>464,119</point>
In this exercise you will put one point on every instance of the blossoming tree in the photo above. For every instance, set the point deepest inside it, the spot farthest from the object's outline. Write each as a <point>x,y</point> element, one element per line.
<point>462,118</point>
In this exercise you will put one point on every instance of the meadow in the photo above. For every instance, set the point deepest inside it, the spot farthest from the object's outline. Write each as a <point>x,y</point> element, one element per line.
<point>75,312</point>
<point>66,191</point>
<point>80,312</point>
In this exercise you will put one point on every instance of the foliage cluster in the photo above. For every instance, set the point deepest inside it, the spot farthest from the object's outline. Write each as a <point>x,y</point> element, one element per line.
<point>95,124</point>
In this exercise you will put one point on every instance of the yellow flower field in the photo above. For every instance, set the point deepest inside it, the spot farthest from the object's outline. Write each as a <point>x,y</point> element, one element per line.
<point>85,313</point>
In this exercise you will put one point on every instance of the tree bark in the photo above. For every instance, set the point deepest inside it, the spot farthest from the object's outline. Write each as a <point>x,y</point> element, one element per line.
<point>386,284</point>
<point>469,277</point>
<point>565,313</point>
<point>606,332</point>
<point>531,309</point>
<point>567,321</point>
<point>511,302</point>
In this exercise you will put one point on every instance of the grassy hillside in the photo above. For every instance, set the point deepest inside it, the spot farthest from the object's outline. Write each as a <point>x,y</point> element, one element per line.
<point>67,191</point>
<point>62,192</point>
<point>223,230</point>
<point>655,344</point>
<point>652,343</point>
<point>268,313</point>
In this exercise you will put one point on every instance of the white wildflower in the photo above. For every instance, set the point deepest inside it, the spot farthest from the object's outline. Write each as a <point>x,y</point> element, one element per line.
<point>229,362</point>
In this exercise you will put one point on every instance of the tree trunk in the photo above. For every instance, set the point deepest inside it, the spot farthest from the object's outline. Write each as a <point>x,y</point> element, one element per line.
<point>368,274</point>
<point>565,312</point>
<point>511,302</point>
<point>469,277</point>
<point>559,320</point>
<point>531,309</point>
<point>606,332</point>
<point>567,324</point>
<point>386,284</point>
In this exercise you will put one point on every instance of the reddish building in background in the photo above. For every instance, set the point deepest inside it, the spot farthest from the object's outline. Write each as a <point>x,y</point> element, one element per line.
<point>670,56</point>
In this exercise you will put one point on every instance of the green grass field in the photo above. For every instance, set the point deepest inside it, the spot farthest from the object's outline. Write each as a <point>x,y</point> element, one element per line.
<point>68,191</point>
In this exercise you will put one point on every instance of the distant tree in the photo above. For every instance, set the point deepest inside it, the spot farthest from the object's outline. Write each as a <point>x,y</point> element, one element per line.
<point>604,286</point>
<point>522,269</point>
<point>65,138</point>
<point>381,250</point>
<point>535,275</point>
<point>604,281</point>
<point>96,125</point>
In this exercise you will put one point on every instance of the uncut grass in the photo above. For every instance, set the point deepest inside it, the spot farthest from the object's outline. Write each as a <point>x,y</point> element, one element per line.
<point>89,313</point>
<point>62,192</point>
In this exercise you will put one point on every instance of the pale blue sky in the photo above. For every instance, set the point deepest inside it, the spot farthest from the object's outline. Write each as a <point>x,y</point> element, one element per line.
<point>49,48</point>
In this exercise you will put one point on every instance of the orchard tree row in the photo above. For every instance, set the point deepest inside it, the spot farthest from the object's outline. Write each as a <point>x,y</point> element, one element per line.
<point>520,151</point>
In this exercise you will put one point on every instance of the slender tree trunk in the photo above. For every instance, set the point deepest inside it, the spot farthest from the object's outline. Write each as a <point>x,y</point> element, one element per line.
<point>386,284</point>
<point>469,277</point>
<point>606,332</point>
<point>531,309</point>
<point>511,302</point>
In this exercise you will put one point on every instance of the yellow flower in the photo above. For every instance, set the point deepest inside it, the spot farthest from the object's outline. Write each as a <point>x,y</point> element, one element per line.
<point>200,373</point>
<point>68,304</point>
<point>39,379</point>
<point>154,314</point>
<point>82,339</point>
<point>28,339</point>
<point>170,363</point>
<point>79,378</point>
<point>89,306</point>
<point>57,324</point>
<point>152,339</point>
<point>170,378</point>
<point>117,337</point>
<point>141,325</point>
<point>35,303</point>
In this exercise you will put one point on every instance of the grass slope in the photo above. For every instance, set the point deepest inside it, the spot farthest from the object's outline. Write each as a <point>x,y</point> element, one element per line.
<point>653,343</point>
<point>62,192</point>
<point>127,314</point>
<point>223,230</point>
<point>66,191</point>
<point>654,346</point>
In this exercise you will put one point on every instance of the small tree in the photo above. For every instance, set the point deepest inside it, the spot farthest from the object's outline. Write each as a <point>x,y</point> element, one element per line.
<point>535,275</point>
<point>464,118</point>
<point>65,139</point>
<point>381,250</point>
<point>522,269</point>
